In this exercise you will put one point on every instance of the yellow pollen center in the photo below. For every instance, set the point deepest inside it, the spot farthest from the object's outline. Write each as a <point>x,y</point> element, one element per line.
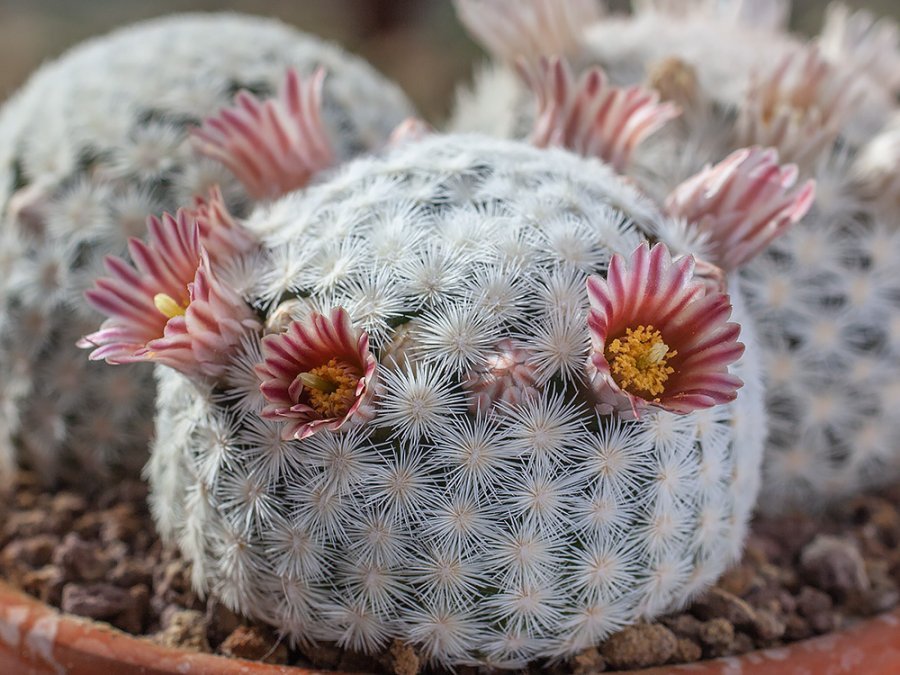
<point>639,361</point>
<point>168,306</point>
<point>331,388</point>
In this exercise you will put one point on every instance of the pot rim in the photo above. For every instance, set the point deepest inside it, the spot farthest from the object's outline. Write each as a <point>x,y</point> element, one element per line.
<point>40,639</point>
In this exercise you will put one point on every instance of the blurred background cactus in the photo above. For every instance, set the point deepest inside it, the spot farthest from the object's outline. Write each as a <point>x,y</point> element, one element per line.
<point>826,295</point>
<point>91,146</point>
<point>403,38</point>
<point>476,505</point>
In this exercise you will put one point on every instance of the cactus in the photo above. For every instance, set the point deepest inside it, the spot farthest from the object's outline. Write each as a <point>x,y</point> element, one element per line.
<point>825,294</point>
<point>91,146</point>
<point>453,433</point>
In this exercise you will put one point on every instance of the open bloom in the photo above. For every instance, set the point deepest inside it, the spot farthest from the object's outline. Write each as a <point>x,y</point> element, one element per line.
<point>221,236</point>
<point>742,204</point>
<point>273,146</point>
<point>316,375</point>
<point>169,307</point>
<point>589,116</point>
<point>659,337</point>
<point>508,376</point>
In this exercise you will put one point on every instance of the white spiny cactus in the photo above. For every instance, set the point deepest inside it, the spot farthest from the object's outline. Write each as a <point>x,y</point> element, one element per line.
<point>93,144</point>
<point>825,295</point>
<point>475,504</point>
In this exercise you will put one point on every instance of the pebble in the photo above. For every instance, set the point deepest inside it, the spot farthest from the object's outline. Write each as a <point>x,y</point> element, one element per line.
<point>254,643</point>
<point>640,646</point>
<point>34,551</point>
<point>768,626</point>
<point>404,659</point>
<point>588,662</point>
<point>184,629</point>
<point>683,625</point>
<point>686,651</point>
<point>718,602</point>
<point>94,601</point>
<point>716,633</point>
<point>835,565</point>
<point>80,559</point>
<point>812,601</point>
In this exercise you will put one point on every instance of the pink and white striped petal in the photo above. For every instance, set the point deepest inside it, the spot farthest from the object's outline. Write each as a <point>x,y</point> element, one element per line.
<point>742,203</point>
<point>221,235</point>
<point>168,307</point>
<point>274,146</point>
<point>509,29</point>
<point>589,116</point>
<point>660,338</point>
<point>799,107</point>
<point>317,375</point>
<point>408,131</point>
<point>508,376</point>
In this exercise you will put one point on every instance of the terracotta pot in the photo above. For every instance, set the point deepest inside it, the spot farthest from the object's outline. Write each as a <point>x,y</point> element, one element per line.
<point>37,640</point>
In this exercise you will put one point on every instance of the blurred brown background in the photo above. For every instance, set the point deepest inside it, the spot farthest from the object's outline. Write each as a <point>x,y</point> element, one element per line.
<point>419,43</point>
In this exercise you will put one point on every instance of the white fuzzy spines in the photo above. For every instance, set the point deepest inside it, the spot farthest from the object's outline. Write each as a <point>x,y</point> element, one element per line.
<point>91,146</point>
<point>533,528</point>
<point>824,296</point>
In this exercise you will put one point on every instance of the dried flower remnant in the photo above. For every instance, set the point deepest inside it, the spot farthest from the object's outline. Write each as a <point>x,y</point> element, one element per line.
<point>169,307</point>
<point>508,376</point>
<point>512,28</point>
<point>590,117</point>
<point>676,81</point>
<point>659,337</point>
<point>742,203</point>
<point>316,375</point>
<point>274,146</point>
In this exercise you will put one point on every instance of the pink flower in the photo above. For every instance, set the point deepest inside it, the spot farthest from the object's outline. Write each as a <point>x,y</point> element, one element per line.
<point>742,203</point>
<point>509,29</point>
<point>169,307</point>
<point>659,337</point>
<point>316,375</point>
<point>507,377</point>
<point>221,236</point>
<point>273,146</point>
<point>799,107</point>
<point>589,116</point>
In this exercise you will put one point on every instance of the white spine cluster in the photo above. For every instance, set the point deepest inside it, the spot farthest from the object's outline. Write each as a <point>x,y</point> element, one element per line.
<point>523,530</point>
<point>92,145</point>
<point>825,296</point>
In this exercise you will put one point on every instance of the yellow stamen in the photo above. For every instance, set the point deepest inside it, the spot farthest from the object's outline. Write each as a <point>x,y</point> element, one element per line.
<point>639,361</point>
<point>331,388</point>
<point>168,305</point>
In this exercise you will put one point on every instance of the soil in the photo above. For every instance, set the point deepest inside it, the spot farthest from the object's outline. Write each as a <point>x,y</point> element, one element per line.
<point>97,556</point>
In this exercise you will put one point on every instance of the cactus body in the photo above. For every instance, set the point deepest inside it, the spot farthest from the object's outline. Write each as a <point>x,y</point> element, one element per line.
<point>531,528</point>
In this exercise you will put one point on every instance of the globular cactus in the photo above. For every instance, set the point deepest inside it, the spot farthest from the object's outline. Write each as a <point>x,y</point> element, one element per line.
<point>825,293</point>
<point>94,144</point>
<point>478,414</point>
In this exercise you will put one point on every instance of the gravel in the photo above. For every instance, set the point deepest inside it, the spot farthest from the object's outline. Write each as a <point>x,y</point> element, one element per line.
<point>96,556</point>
